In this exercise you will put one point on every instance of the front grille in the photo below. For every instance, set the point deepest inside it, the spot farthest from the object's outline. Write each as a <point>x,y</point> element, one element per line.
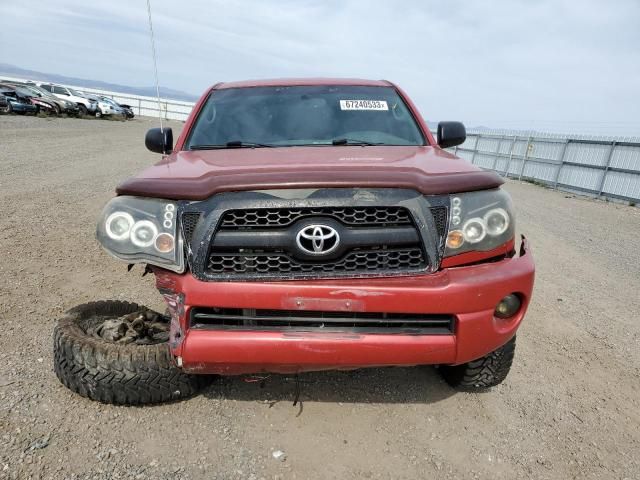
<point>321,321</point>
<point>282,217</point>
<point>279,264</point>
<point>253,260</point>
<point>256,236</point>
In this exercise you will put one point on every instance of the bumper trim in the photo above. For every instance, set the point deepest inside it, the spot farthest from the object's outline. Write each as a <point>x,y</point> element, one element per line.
<point>234,353</point>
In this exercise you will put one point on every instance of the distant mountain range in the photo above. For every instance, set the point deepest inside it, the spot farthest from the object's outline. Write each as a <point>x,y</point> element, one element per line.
<point>13,71</point>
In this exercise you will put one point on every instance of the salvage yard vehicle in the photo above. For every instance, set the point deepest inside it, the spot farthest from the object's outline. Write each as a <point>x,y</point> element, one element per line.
<point>85,105</point>
<point>16,101</point>
<point>301,225</point>
<point>41,104</point>
<point>63,106</point>
<point>4,104</point>
<point>127,111</point>
<point>106,106</point>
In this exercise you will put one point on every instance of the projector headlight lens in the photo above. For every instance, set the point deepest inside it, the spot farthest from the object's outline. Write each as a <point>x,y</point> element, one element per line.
<point>143,233</point>
<point>118,225</point>
<point>497,221</point>
<point>474,230</point>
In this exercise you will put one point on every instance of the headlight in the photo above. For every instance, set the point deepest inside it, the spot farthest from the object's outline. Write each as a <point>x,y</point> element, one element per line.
<point>479,221</point>
<point>142,230</point>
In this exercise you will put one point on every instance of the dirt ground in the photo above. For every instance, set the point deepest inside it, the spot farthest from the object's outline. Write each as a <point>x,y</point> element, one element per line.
<point>569,409</point>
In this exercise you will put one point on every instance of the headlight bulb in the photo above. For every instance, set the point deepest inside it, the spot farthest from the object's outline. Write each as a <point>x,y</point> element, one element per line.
<point>118,225</point>
<point>474,230</point>
<point>143,233</point>
<point>497,221</point>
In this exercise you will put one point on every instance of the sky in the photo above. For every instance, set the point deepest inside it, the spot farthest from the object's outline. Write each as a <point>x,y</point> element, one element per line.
<point>564,66</point>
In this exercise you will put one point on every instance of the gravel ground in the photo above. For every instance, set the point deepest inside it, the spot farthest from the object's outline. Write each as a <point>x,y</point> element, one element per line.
<point>569,409</point>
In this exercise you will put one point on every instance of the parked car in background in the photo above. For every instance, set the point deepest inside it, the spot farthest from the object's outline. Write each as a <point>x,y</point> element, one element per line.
<point>85,104</point>
<point>16,101</point>
<point>42,105</point>
<point>127,110</point>
<point>108,106</point>
<point>105,106</point>
<point>64,106</point>
<point>4,103</point>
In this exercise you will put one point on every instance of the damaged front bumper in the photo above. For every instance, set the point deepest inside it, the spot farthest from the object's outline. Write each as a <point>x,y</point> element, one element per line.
<point>468,293</point>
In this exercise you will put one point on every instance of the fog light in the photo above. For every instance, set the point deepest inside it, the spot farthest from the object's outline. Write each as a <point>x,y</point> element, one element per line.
<point>508,306</point>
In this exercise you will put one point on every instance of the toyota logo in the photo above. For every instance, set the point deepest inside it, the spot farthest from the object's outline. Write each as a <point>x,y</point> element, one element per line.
<point>317,239</point>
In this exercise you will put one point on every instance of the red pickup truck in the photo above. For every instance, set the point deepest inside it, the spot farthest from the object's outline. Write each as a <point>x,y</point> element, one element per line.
<point>300,225</point>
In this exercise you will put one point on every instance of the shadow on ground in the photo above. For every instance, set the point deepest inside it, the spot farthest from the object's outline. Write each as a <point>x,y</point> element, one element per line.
<point>374,385</point>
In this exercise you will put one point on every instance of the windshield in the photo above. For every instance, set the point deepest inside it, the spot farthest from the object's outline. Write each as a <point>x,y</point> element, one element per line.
<point>25,91</point>
<point>40,91</point>
<point>305,115</point>
<point>74,93</point>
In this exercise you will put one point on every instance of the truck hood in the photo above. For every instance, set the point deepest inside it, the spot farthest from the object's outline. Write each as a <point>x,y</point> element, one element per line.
<point>197,175</point>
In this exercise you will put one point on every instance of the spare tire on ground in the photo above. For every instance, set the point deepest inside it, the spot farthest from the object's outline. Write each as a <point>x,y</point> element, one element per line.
<point>117,352</point>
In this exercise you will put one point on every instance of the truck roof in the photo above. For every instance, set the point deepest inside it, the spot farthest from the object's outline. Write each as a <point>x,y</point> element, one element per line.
<point>287,82</point>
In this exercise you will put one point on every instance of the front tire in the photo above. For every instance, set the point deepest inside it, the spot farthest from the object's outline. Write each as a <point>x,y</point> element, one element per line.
<point>124,374</point>
<point>483,373</point>
<point>82,110</point>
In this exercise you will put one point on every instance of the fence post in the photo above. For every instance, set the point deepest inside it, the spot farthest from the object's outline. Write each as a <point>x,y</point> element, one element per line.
<point>524,159</point>
<point>513,142</point>
<point>495,158</point>
<point>564,150</point>
<point>475,148</point>
<point>139,107</point>
<point>606,168</point>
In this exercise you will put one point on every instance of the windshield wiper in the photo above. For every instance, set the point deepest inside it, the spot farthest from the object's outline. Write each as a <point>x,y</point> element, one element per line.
<point>351,141</point>
<point>232,144</point>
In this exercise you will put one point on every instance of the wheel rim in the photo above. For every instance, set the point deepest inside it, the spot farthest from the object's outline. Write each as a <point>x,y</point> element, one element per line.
<point>142,327</point>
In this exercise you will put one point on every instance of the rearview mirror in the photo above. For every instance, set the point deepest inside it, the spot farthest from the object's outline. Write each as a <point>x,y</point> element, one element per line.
<point>451,134</point>
<point>159,140</point>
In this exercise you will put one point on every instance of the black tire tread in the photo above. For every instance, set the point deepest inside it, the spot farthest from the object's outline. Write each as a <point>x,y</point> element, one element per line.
<point>483,373</point>
<point>113,373</point>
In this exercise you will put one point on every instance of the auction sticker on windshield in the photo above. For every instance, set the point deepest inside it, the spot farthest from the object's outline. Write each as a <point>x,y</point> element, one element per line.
<point>363,105</point>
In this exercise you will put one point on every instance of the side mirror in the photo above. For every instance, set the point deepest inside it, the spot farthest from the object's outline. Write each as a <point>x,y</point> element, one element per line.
<point>451,134</point>
<point>159,140</point>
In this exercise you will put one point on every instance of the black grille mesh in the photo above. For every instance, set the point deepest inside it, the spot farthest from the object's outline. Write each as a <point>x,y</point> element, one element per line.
<point>440,219</point>
<point>311,320</point>
<point>282,217</point>
<point>189,222</point>
<point>280,264</point>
